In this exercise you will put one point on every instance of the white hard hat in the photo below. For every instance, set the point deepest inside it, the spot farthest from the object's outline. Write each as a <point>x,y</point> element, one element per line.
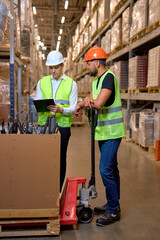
<point>54,58</point>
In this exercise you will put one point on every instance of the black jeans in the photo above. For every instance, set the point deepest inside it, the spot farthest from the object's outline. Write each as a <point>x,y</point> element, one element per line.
<point>65,135</point>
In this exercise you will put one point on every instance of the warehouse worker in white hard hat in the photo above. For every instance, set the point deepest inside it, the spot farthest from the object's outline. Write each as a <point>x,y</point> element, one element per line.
<point>64,91</point>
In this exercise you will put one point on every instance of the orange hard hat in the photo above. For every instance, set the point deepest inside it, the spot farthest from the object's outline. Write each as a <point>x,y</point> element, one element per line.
<point>95,53</point>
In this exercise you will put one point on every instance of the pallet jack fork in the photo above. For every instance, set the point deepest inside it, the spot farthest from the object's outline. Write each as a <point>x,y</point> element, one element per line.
<point>70,212</point>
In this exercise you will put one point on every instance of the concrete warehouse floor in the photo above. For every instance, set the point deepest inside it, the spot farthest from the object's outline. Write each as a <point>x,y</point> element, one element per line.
<point>140,192</point>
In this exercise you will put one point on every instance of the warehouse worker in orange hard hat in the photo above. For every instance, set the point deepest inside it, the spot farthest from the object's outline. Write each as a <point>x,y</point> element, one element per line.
<point>105,96</point>
<point>64,92</point>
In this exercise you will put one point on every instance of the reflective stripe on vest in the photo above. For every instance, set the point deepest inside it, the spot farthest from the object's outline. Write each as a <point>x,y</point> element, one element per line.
<point>109,110</point>
<point>60,101</point>
<point>110,122</point>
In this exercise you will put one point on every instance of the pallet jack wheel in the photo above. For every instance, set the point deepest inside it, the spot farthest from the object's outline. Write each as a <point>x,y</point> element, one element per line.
<point>85,214</point>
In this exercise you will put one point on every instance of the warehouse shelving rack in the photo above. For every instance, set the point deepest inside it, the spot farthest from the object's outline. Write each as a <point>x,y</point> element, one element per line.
<point>146,39</point>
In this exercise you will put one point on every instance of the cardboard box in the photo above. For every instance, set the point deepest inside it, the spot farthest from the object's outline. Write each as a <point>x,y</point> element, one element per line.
<point>29,175</point>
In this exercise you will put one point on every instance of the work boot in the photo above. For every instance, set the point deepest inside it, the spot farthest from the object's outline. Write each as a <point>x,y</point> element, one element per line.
<point>101,210</point>
<point>107,218</point>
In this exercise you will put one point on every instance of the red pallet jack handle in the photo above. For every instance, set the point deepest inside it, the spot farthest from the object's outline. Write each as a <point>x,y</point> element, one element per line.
<point>68,201</point>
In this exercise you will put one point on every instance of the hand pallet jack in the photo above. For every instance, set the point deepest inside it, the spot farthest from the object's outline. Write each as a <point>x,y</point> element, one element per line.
<point>70,212</point>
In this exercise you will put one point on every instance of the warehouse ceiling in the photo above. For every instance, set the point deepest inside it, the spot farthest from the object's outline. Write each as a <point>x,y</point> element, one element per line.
<point>49,20</point>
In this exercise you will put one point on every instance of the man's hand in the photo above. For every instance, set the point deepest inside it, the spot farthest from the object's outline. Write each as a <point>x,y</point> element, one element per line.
<point>79,106</point>
<point>88,102</point>
<point>55,108</point>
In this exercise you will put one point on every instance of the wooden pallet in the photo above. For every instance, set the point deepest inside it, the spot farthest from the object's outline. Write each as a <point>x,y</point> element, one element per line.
<point>123,90</point>
<point>137,90</point>
<point>140,34</point>
<point>153,26</point>
<point>150,149</point>
<point>154,90</point>
<point>29,227</point>
<point>117,49</point>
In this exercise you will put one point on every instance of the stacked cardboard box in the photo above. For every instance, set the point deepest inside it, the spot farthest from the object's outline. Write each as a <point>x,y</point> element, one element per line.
<point>116,34</point>
<point>121,73</point>
<point>139,17</point>
<point>146,129</point>
<point>94,23</point>
<point>3,17</point>
<point>103,12</point>
<point>113,4</point>
<point>134,125</point>
<point>154,12</point>
<point>125,26</point>
<point>106,42</point>
<point>154,67</point>
<point>138,68</point>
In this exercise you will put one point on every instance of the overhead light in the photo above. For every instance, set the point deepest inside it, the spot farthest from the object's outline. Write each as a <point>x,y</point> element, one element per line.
<point>60,31</point>
<point>58,44</point>
<point>63,19</point>
<point>44,48</point>
<point>59,38</point>
<point>36,25</point>
<point>43,56</point>
<point>66,4</point>
<point>38,37</point>
<point>34,10</point>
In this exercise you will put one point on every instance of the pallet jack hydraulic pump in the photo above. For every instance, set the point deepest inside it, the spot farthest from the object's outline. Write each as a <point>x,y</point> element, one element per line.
<point>70,211</point>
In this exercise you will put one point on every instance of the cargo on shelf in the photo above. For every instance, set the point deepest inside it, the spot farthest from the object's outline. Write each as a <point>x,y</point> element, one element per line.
<point>120,70</point>
<point>154,12</point>
<point>154,67</point>
<point>116,34</point>
<point>125,26</point>
<point>146,129</point>
<point>138,69</point>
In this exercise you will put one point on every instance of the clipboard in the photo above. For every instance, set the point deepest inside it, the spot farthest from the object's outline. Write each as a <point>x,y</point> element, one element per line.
<point>41,104</point>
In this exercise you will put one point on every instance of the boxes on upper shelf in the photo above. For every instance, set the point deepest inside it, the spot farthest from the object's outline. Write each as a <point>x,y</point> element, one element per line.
<point>138,68</point>
<point>94,23</point>
<point>125,26</point>
<point>121,73</point>
<point>139,17</point>
<point>103,12</point>
<point>154,67</point>
<point>116,34</point>
<point>113,4</point>
<point>154,12</point>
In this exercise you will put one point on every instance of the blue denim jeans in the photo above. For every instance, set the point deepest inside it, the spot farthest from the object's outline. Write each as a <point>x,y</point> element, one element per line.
<point>109,172</point>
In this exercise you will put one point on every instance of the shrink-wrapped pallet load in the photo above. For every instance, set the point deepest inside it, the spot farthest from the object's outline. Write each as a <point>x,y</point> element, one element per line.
<point>139,17</point>
<point>106,42</point>
<point>103,12</point>
<point>113,5</point>
<point>125,26</point>
<point>154,67</point>
<point>116,34</point>
<point>134,125</point>
<point>156,127</point>
<point>121,73</point>
<point>94,23</point>
<point>93,3</point>
<point>4,89</point>
<point>138,69</point>
<point>3,17</point>
<point>154,12</point>
<point>146,129</point>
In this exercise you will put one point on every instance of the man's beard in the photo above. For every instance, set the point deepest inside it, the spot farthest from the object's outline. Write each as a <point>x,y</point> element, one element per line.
<point>93,74</point>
